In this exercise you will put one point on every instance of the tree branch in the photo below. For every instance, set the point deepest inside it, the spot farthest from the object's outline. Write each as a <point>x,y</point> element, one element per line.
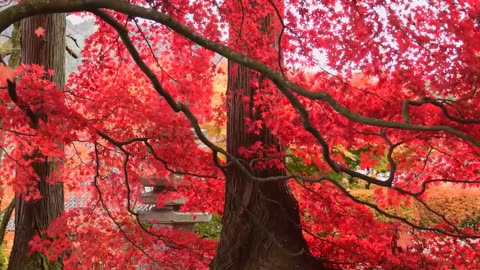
<point>34,7</point>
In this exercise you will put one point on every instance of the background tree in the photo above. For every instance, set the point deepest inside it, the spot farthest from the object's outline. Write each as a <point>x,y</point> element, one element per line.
<point>42,43</point>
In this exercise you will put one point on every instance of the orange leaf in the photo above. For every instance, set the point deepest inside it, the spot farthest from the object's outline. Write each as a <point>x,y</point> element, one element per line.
<point>40,31</point>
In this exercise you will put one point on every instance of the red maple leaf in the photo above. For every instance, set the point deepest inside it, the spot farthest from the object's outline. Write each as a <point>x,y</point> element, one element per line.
<point>40,31</point>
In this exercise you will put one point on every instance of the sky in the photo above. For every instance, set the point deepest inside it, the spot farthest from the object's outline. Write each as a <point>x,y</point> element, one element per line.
<point>75,19</point>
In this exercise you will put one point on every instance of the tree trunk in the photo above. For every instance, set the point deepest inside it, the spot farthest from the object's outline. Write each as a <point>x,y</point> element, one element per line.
<point>34,216</point>
<point>261,222</point>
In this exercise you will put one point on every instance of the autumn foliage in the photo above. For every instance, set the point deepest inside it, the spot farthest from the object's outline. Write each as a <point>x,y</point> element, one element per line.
<point>357,92</point>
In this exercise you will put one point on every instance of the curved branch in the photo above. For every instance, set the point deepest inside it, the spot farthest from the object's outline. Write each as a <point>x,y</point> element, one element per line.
<point>12,92</point>
<point>392,216</point>
<point>109,214</point>
<point>287,87</point>
<point>427,100</point>
<point>34,7</point>
<point>180,107</point>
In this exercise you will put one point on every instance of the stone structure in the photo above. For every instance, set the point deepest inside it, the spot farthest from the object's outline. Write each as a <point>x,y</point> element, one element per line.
<point>169,213</point>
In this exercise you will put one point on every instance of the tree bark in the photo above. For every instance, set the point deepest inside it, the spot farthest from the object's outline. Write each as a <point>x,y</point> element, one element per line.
<point>261,222</point>
<point>34,216</point>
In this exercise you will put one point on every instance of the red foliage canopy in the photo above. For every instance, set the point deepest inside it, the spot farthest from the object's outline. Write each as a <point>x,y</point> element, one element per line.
<point>394,83</point>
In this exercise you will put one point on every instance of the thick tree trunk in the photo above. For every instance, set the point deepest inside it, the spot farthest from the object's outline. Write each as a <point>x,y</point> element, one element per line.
<point>34,216</point>
<point>261,222</point>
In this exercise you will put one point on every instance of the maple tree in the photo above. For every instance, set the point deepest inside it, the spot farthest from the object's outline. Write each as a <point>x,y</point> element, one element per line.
<point>381,92</point>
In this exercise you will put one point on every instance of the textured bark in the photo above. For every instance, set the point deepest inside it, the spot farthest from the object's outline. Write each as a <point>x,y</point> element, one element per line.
<point>34,216</point>
<point>261,222</point>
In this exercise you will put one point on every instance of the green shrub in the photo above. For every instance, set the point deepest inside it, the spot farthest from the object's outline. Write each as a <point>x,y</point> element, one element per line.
<point>3,258</point>
<point>210,230</point>
<point>471,222</point>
